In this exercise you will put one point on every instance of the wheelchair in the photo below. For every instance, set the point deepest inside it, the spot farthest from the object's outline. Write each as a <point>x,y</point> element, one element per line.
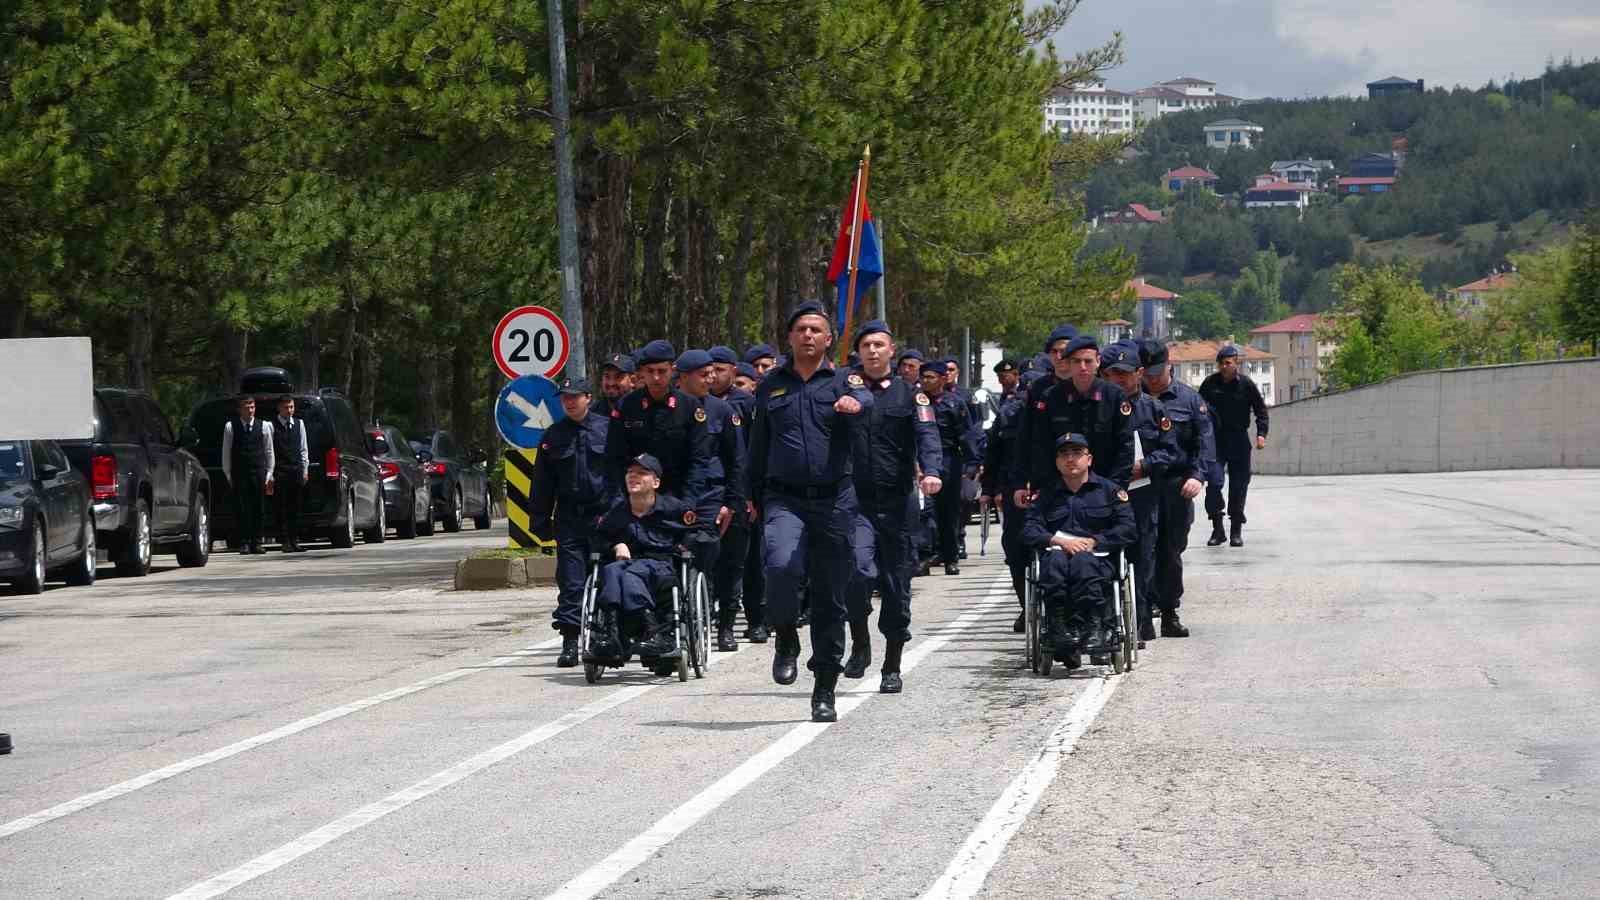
<point>690,609</point>
<point>1124,600</point>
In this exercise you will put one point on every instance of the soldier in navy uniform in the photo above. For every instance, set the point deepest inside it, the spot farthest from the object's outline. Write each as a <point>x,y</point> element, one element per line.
<point>1233,397</point>
<point>800,476</point>
<point>998,486</point>
<point>291,471</point>
<point>900,438</point>
<point>642,532</point>
<point>1185,479</point>
<point>950,414</point>
<point>616,379</point>
<point>1079,514</point>
<point>571,479</point>
<point>724,502</point>
<point>660,420</point>
<point>761,357</point>
<point>1076,400</point>
<point>908,365</point>
<point>248,465</point>
<point>745,379</point>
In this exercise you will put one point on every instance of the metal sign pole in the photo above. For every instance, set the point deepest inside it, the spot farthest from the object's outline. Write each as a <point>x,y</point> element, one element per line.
<point>566,194</point>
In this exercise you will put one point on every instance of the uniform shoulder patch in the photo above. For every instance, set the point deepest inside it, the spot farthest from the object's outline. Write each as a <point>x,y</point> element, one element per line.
<point>700,414</point>
<point>736,420</point>
<point>1166,424</point>
<point>688,517</point>
<point>1122,495</point>
<point>672,401</point>
<point>1127,408</point>
<point>922,399</point>
<point>855,380</point>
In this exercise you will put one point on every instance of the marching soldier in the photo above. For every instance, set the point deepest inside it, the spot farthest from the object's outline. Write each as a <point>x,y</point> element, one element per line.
<point>1232,397</point>
<point>660,420</point>
<point>950,414</point>
<point>724,503</point>
<point>571,478</point>
<point>898,437</point>
<point>909,365</point>
<point>616,379</point>
<point>998,486</point>
<point>1185,479</point>
<point>1080,402</point>
<point>762,358</point>
<point>291,471</point>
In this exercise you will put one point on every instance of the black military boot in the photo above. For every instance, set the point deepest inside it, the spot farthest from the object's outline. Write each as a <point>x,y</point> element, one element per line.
<point>1171,627</point>
<point>951,568</point>
<point>660,637</point>
<point>726,642</point>
<point>822,698</point>
<point>1147,631</point>
<point>569,651</point>
<point>1236,534</point>
<point>890,683</point>
<point>1218,538</point>
<point>757,634</point>
<point>786,655</point>
<point>860,649</point>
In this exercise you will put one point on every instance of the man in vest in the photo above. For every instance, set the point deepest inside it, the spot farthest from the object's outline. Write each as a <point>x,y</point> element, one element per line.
<point>291,470</point>
<point>247,463</point>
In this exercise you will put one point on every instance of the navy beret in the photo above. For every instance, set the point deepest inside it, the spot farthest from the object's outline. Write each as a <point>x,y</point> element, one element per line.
<point>1004,365</point>
<point>807,308</point>
<point>656,352</point>
<point>1152,353</point>
<point>622,362</point>
<point>1121,355</point>
<point>692,361</point>
<point>1227,351</point>
<point>871,326</point>
<point>722,353</point>
<point>909,354</point>
<point>746,370</point>
<point>759,351</point>
<point>935,366</point>
<point>1061,333</point>
<point>1082,342</point>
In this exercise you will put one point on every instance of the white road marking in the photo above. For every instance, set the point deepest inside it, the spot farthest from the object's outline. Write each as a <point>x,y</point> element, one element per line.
<point>982,850</point>
<point>312,841</point>
<point>667,829</point>
<point>120,789</point>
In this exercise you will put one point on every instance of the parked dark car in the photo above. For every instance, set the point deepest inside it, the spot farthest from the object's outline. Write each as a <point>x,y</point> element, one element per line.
<point>343,495</point>
<point>460,488</point>
<point>46,518</point>
<point>407,498</point>
<point>150,495</point>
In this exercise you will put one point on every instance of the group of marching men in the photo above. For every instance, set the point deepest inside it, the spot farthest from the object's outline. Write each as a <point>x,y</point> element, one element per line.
<point>799,487</point>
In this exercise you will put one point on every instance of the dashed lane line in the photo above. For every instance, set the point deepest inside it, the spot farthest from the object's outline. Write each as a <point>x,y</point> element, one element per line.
<point>969,869</point>
<point>121,789</point>
<point>667,829</point>
<point>366,815</point>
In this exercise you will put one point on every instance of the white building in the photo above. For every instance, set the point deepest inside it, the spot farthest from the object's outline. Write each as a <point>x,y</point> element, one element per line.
<point>1177,95</point>
<point>1090,108</point>
<point>1301,171</point>
<point>1226,134</point>
<point>1268,193</point>
<point>1192,361</point>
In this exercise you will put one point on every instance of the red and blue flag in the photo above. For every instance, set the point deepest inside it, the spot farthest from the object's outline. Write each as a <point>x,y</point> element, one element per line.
<point>869,259</point>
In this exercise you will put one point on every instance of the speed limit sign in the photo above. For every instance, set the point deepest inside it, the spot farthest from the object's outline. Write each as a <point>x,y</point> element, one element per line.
<point>530,340</point>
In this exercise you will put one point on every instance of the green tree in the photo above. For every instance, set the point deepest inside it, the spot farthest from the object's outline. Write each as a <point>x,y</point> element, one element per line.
<point>1202,315</point>
<point>1358,361</point>
<point>1580,300</point>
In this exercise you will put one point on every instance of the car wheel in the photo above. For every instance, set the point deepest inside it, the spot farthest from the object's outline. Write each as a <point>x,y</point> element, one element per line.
<point>453,517</point>
<point>32,580</point>
<point>134,557</point>
<point>344,536</point>
<point>484,519</point>
<point>379,532</point>
<point>406,528</point>
<point>82,574</point>
<point>196,551</point>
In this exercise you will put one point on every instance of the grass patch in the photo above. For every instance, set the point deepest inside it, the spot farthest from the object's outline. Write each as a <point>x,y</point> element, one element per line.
<point>511,553</point>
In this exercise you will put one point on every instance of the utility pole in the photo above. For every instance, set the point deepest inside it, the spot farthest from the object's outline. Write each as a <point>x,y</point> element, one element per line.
<point>566,192</point>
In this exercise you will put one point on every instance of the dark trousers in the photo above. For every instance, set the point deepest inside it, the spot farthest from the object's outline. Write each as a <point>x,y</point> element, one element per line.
<point>247,489</point>
<point>1018,554</point>
<point>632,585</point>
<point>574,542</point>
<point>1233,460</point>
<point>286,492</point>
<point>947,516</point>
<point>927,528</point>
<point>1080,583</point>
<point>755,579</point>
<point>884,556</point>
<point>727,579</point>
<point>1147,515</point>
<point>1172,538</point>
<point>807,541</point>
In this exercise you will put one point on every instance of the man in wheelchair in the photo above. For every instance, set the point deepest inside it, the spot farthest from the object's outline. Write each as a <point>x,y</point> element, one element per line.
<point>642,531</point>
<point>1074,524</point>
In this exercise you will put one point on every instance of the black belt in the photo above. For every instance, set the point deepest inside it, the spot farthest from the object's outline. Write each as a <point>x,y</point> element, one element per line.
<point>806,491</point>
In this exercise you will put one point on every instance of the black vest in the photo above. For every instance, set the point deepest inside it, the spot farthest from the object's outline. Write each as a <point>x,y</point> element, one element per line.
<point>286,446</point>
<point>249,450</point>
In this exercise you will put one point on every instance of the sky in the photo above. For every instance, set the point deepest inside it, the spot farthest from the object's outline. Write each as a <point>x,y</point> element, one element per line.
<point>1296,48</point>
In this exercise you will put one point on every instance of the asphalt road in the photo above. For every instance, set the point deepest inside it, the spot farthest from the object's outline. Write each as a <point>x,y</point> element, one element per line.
<point>1393,690</point>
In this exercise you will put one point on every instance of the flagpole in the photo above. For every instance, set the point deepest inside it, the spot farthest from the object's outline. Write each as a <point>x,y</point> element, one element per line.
<point>883,277</point>
<point>863,171</point>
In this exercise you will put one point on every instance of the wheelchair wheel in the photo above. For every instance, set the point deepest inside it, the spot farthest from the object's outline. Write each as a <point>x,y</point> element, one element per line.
<point>1031,614</point>
<point>587,621</point>
<point>1130,619</point>
<point>1119,660</point>
<point>702,626</point>
<point>591,672</point>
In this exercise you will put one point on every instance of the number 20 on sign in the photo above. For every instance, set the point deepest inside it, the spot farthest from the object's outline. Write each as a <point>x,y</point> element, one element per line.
<point>530,340</point>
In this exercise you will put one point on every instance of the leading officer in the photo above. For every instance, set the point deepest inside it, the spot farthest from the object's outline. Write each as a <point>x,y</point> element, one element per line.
<point>1232,397</point>
<point>800,449</point>
<point>898,437</point>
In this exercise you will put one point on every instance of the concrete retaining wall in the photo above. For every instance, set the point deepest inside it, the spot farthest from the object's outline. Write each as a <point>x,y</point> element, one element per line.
<point>1526,416</point>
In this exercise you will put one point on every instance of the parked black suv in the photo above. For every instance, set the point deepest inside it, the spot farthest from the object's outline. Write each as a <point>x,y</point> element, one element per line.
<point>45,516</point>
<point>460,488</point>
<point>343,494</point>
<point>407,499</point>
<point>150,495</point>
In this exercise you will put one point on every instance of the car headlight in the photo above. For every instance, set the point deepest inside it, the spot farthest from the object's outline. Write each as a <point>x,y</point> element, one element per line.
<point>10,516</point>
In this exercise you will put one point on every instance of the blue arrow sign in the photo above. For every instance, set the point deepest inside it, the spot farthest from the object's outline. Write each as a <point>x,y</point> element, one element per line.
<point>527,406</point>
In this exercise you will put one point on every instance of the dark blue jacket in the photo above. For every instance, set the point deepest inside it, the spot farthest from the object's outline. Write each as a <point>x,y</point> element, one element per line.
<point>1101,414</point>
<point>1000,464</point>
<point>571,475</point>
<point>899,434</point>
<point>1231,406</point>
<point>1100,509</point>
<point>655,535</point>
<point>797,441</point>
<point>1191,424</point>
<point>726,477</point>
<point>1151,422</point>
<point>667,429</point>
